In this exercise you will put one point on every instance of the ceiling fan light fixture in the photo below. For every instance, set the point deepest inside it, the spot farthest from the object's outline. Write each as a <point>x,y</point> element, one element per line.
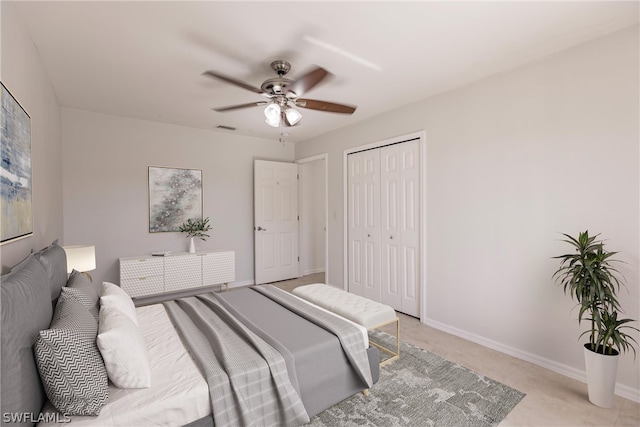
<point>293,116</point>
<point>272,114</point>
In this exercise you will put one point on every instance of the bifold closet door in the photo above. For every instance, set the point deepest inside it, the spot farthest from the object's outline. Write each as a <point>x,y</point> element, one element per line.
<point>364,223</point>
<point>399,199</point>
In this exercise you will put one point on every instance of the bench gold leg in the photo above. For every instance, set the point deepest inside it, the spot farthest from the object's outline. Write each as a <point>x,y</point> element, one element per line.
<point>394,354</point>
<point>365,392</point>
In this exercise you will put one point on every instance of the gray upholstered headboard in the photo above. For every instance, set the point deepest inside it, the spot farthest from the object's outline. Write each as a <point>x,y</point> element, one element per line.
<point>29,292</point>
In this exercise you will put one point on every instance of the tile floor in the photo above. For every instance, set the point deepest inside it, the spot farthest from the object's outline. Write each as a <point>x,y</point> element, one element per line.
<point>551,399</point>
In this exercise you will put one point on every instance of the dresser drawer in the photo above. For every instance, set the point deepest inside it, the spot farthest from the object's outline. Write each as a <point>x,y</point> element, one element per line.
<point>218,267</point>
<point>133,268</point>
<point>182,272</point>
<point>142,286</point>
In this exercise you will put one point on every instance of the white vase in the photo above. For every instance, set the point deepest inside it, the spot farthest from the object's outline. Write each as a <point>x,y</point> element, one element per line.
<point>602,371</point>
<point>192,246</point>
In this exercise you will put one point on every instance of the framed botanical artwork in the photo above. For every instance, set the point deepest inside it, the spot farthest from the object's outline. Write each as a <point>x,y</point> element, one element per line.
<point>16,209</point>
<point>175,195</point>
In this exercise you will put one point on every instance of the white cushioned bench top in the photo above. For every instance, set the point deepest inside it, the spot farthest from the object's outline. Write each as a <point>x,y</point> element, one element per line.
<point>358,309</point>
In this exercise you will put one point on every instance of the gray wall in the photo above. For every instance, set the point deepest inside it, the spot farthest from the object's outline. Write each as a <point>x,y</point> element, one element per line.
<point>512,161</point>
<point>105,181</point>
<point>22,73</point>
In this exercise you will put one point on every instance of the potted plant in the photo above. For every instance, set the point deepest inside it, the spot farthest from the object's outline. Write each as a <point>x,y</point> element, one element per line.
<point>195,228</point>
<point>588,276</point>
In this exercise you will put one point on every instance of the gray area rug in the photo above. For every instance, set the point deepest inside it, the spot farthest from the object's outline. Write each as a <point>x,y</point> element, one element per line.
<point>423,389</point>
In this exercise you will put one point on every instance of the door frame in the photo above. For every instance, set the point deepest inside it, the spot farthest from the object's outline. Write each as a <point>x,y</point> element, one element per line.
<point>421,135</point>
<point>325,157</point>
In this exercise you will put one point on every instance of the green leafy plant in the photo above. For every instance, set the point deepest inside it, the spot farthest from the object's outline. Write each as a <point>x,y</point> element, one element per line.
<point>589,277</point>
<point>196,228</point>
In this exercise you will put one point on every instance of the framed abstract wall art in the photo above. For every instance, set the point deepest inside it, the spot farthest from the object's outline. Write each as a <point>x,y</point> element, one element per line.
<point>175,195</point>
<point>16,211</point>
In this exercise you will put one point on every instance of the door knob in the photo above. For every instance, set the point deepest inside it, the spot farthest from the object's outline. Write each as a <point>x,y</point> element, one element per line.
<point>261,229</point>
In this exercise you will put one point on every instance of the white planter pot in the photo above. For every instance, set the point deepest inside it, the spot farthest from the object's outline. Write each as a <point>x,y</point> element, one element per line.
<point>601,377</point>
<point>192,246</point>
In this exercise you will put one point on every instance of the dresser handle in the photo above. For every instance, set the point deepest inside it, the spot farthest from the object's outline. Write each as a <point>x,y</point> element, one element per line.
<point>142,260</point>
<point>142,278</point>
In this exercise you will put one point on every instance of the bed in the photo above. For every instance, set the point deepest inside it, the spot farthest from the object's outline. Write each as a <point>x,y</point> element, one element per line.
<point>314,358</point>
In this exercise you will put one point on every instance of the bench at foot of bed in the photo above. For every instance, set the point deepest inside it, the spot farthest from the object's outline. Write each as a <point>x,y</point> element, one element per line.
<point>363,311</point>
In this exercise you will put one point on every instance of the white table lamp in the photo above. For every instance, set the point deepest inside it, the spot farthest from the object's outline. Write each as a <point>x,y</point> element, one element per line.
<point>80,258</point>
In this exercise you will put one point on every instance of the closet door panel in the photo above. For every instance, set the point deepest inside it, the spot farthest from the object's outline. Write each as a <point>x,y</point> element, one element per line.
<point>364,222</point>
<point>390,200</point>
<point>400,230</point>
<point>409,227</point>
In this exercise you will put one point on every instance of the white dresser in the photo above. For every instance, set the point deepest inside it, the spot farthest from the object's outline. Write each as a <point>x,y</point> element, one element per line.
<point>146,275</point>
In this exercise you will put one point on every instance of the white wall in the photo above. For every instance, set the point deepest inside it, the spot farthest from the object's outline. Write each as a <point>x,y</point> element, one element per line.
<point>512,161</point>
<point>312,216</point>
<point>23,75</point>
<point>106,179</point>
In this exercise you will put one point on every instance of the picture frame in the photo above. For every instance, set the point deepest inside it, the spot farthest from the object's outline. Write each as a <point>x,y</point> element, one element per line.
<point>175,195</point>
<point>16,195</point>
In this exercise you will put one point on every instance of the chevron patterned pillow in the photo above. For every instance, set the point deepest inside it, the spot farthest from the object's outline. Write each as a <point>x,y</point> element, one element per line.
<point>70,364</point>
<point>83,299</point>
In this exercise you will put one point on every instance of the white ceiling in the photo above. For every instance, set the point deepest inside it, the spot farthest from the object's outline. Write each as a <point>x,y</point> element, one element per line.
<point>145,59</point>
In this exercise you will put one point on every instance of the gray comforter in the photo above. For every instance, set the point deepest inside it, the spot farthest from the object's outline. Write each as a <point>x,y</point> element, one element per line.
<point>248,380</point>
<point>263,353</point>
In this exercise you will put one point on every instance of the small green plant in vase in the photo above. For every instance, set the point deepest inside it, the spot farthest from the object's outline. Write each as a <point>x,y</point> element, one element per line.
<point>195,228</point>
<point>589,277</point>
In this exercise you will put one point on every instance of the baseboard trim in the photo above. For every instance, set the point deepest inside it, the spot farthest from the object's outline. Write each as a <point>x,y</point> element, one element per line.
<point>566,370</point>
<point>313,271</point>
<point>241,284</point>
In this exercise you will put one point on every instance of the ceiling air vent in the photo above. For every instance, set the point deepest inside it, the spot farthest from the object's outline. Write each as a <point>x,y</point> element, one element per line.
<point>225,127</point>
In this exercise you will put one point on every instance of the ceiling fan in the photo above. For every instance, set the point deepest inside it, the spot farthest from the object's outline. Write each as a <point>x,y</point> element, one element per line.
<point>284,94</point>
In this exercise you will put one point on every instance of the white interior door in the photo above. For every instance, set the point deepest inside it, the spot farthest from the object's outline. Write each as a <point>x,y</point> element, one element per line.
<point>364,223</point>
<point>275,221</point>
<point>400,177</point>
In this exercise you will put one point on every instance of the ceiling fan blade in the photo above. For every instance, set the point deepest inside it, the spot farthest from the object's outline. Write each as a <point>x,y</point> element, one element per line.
<point>237,107</point>
<point>308,81</point>
<point>331,107</point>
<point>233,81</point>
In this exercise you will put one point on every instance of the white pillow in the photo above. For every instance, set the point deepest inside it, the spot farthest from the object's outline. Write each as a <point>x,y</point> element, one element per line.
<point>114,296</point>
<point>123,349</point>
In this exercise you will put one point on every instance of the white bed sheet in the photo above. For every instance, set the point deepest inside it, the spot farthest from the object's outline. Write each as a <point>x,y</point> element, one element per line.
<point>178,395</point>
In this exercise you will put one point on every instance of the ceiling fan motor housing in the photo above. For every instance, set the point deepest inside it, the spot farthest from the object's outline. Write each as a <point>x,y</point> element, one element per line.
<point>277,85</point>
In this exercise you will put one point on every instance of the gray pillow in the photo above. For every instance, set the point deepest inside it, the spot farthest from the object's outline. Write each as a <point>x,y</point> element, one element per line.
<point>82,283</point>
<point>26,310</point>
<point>54,260</point>
<point>70,364</point>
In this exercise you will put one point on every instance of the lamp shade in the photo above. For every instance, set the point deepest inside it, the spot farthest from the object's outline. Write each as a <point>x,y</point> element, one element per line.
<point>80,258</point>
<point>293,116</point>
<point>272,114</point>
